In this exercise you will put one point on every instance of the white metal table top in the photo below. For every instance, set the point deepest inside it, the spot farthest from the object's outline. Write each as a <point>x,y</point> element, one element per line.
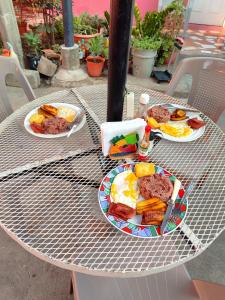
<point>48,193</point>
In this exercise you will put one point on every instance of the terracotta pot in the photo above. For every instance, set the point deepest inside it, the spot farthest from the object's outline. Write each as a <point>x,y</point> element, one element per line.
<point>95,68</point>
<point>79,37</point>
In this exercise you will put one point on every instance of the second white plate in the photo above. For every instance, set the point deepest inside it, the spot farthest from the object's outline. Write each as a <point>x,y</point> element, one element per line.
<point>196,134</point>
<point>53,136</point>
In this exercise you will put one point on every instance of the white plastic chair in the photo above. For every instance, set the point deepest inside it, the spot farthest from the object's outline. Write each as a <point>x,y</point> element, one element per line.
<point>11,65</point>
<point>208,84</point>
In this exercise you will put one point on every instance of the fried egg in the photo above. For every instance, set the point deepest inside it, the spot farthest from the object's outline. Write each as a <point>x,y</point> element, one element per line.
<point>125,189</point>
<point>66,113</point>
<point>179,129</point>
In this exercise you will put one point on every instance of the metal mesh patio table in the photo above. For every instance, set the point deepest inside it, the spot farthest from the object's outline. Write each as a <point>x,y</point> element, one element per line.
<point>49,192</point>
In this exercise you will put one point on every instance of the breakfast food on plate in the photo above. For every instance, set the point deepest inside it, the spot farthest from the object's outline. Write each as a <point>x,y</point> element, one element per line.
<point>50,126</point>
<point>37,118</point>
<point>156,186</point>
<point>153,123</point>
<point>180,129</point>
<point>124,146</point>
<point>55,125</point>
<point>125,189</point>
<point>144,169</point>
<point>52,120</point>
<point>195,123</point>
<point>124,194</point>
<point>152,218</point>
<point>130,187</point>
<point>122,211</point>
<point>48,111</point>
<point>150,204</point>
<point>159,113</point>
<point>178,115</point>
<point>67,113</point>
<point>37,128</point>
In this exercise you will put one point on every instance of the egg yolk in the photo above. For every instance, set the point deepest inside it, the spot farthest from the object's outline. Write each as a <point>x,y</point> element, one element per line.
<point>130,193</point>
<point>180,131</point>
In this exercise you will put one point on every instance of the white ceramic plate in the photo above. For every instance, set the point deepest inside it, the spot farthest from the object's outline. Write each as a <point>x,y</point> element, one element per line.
<point>52,136</point>
<point>196,134</point>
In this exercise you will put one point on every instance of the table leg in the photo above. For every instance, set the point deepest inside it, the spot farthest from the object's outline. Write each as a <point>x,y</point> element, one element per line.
<point>174,284</point>
<point>75,286</point>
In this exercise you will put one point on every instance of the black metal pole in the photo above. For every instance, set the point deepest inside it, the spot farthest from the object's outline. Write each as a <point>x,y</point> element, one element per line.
<point>68,22</point>
<point>121,15</point>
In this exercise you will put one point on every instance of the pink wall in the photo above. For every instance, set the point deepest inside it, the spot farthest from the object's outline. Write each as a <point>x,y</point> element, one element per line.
<point>99,6</point>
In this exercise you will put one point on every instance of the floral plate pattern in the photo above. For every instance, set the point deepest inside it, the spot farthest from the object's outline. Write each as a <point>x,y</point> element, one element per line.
<point>141,231</point>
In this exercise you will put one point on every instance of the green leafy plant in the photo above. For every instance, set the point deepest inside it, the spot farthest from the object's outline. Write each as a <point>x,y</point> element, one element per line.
<point>96,46</point>
<point>87,24</point>
<point>107,20</point>
<point>59,30</point>
<point>50,11</point>
<point>32,41</point>
<point>145,37</point>
<point>163,25</point>
<point>81,28</point>
<point>147,43</point>
<point>165,49</point>
<point>138,29</point>
<point>105,53</point>
<point>56,48</point>
<point>152,23</point>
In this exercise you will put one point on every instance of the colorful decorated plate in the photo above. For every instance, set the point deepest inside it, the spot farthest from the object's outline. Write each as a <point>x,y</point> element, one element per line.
<point>133,226</point>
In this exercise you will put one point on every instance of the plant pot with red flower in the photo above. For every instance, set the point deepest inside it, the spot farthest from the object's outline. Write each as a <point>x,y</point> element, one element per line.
<point>95,61</point>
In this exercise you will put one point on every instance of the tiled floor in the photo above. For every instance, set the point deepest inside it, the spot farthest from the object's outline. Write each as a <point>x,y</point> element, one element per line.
<point>205,41</point>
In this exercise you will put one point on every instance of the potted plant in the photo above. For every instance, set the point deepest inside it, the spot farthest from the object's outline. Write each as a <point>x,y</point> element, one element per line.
<point>165,50</point>
<point>95,61</point>
<point>86,27</point>
<point>144,51</point>
<point>145,42</point>
<point>32,44</point>
<point>163,25</point>
<point>173,16</point>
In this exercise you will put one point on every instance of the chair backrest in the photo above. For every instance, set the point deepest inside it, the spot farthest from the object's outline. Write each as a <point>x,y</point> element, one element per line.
<point>208,84</point>
<point>10,65</point>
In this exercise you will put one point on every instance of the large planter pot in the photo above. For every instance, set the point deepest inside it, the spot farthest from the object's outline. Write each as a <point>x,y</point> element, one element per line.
<point>95,65</point>
<point>143,62</point>
<point>79,37</point>
<point>86,37</point>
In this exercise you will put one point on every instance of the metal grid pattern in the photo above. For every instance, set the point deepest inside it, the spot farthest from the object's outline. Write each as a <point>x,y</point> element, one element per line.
<point>50,205</point>
<point>19,149</point>
<point>208,91</point>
